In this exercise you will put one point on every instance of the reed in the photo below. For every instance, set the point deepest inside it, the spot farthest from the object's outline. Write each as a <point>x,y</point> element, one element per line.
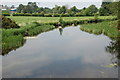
<point>107,28</point>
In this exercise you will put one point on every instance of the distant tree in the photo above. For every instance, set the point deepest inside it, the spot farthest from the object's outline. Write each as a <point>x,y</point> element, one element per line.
<point>105,10</point>
<point>62,9</point>
<point>91,10</point>
<point>20,8</point>
<point>47,10</point>
<point>39,10</point>
<point>12,6</point>
<point>82,12</point>
<point>113,7</point>
<point>31,7</point>
<point>73,10</point>
<point>28,9</point>
<point>56,9</point>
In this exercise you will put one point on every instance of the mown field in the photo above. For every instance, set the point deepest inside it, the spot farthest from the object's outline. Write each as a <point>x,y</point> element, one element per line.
<point>24,20</point>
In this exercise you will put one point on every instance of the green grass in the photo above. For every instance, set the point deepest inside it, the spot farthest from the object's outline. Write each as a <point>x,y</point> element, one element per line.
<point>14,38</point>
<point>107,28</point>
<point>24,20</point>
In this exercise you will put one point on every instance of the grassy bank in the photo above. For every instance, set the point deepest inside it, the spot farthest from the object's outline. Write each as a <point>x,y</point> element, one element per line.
<point>14,38</point>
<point>108,28</point>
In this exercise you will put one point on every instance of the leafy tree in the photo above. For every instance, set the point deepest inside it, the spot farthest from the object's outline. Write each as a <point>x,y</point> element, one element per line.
<point>113,7</point>
<point>12,6</point>
<point>91,10</point>
<point>62,9</point>
<point>31,7</point>
<point>73,10</point>
<point>20,8</point>
<point>104,10</point>
<point>39,10</point>
<point>55,9</point>
<point>28,9</point>
<point>47,10</point>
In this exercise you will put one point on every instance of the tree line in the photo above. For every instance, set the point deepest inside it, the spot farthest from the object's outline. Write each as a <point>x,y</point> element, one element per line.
<point>32,9</point>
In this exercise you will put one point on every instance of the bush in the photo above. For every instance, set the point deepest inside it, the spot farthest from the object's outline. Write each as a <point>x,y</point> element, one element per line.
<point>48,15</point>
<point>7,23</point>
<point>5,14</point>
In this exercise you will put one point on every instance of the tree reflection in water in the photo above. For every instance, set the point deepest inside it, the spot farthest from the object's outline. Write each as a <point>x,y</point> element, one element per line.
<point>114,49</point>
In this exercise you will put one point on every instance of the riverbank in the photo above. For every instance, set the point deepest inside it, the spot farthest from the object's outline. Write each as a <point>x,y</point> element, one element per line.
<point>14,38</point>
<point>31,26</point>
<point>108,28</point>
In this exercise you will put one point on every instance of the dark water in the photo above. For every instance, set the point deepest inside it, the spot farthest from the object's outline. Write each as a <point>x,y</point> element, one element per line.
<point>70,53</point>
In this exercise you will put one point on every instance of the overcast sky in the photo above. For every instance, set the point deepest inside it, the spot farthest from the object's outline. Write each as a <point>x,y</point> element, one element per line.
<point>52,4</point>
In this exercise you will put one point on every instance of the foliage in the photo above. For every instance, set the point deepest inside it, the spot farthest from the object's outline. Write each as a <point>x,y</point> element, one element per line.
<point>91,10</point>
<point>106,9</point>
<point>31,7</point>
<point>8,23</point>
<point>107,28</point>
<point>109,8</point>
<point>96,16</point>
<point>14,38</point>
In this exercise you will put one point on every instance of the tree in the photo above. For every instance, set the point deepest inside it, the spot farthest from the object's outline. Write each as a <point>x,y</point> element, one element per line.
<point>28,9</point>
<point>39,10</point>
<point>104,10</point>
<point>91,10</point>
<point>114,49</point>
<point>12,6</point>
<point>73,10</point>
<point>62,9</point>
<point>20,8</point>
<point>55,9</point>
<point>113,7</point>
<point>47,10</point>
<point>31,7</point>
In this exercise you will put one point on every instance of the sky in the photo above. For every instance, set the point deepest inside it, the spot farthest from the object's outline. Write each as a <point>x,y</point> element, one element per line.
<point>51,3</point>
<point>79,5</point>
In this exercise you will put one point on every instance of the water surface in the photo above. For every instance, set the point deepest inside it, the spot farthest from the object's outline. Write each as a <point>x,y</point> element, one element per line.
<point>70,53</point>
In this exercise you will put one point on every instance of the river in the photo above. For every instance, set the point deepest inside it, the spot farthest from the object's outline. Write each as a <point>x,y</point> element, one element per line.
<point>61,53</point>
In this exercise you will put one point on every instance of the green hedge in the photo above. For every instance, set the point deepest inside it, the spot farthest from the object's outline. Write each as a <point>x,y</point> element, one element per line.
<point>44,15</point>
<point>5,14</point>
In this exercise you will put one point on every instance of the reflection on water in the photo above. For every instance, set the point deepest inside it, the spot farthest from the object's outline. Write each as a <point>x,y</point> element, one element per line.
<point>114,49</point>
<point>60,30</point>
<point>75,54</point>
<point>6,51</point>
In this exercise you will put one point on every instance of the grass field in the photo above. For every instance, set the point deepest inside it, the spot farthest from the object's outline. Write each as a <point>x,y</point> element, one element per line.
<point>24,20</point>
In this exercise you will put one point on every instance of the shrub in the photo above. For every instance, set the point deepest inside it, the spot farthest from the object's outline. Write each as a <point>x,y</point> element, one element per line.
<point>7,23</point>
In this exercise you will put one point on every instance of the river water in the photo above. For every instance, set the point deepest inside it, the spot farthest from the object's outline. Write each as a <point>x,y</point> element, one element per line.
<point>61,53</point>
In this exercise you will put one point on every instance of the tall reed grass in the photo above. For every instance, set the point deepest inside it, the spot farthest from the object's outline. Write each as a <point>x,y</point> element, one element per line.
<point>108,28</point>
